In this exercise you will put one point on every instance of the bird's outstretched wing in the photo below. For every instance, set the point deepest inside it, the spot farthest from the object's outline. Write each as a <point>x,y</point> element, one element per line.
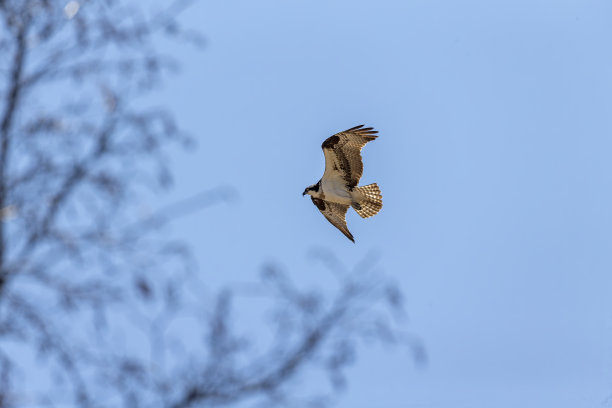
<point>343,154</point>
<point>335,213</point>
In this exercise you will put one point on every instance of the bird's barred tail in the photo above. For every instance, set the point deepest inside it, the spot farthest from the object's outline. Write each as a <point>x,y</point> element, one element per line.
<point>372,200</point>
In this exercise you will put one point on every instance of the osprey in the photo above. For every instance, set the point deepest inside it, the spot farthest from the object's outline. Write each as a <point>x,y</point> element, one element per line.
<point>337,189</point>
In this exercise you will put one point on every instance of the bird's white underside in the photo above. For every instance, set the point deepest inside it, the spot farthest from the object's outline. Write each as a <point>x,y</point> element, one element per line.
<point>333,185</point>
<point>335,190</point>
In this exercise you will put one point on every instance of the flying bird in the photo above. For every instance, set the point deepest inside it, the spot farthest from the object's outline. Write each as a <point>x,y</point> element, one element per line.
<point>337,190</point>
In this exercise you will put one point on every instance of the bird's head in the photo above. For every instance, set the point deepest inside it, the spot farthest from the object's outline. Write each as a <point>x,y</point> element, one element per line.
<point>311,189</point>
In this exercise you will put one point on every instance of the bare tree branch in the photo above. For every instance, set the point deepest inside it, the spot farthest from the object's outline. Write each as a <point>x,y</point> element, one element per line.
<point>5,125</point>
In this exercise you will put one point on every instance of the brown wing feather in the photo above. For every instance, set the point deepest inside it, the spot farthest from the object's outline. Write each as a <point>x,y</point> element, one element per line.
<point>343,153</point>
<point>335,213</point>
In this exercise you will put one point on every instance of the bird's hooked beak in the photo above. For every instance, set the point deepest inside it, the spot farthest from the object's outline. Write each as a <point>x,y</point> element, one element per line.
<point>304,193</point>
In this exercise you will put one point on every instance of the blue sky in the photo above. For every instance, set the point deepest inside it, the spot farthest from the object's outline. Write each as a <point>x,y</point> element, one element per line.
<point>493,159</point>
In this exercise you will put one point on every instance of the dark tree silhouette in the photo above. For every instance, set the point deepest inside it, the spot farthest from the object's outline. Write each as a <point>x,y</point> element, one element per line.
<point>97,309</point>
